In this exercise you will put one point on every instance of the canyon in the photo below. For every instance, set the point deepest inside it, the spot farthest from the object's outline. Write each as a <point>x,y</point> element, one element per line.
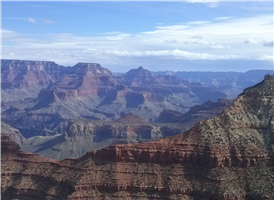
<point>48,107</point>
<point>63,112</point>
<point>224,158</point>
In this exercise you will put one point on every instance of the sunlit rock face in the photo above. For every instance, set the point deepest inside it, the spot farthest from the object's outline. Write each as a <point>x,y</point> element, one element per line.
<point>17,73</point>
<point>83,79</point>
<point>227,157</point>
<point>22,80</point>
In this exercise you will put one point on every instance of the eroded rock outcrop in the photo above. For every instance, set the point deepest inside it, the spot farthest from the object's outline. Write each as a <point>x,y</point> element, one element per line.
<point>84,79</point>
<point>82,135</point>
<point>13,133</point>
<point>18,73</point>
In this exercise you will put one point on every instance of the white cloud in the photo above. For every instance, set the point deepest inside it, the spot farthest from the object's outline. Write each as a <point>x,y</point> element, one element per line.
<point>112,33</point>
<point>177,53</point>
<point>223,18</point>
<point>171,41</point>
<point>197,37</point>
<point>209,3</point>
<point>7,34</point>
<point>120,36</point>
<point>266,58</point>
<point>269,44</point>
<point>251,41</point>
<point>198,22</point>
<point>220,47</point>
<point>46,21</point>
<point>175,42</point>
<point>31,20</point>
<point>199,42</point>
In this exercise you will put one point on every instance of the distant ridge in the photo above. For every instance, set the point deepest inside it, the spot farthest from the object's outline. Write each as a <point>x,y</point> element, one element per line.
<point>131,119</point>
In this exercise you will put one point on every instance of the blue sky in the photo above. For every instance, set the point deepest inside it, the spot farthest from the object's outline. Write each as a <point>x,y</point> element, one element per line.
<point>178,36</point>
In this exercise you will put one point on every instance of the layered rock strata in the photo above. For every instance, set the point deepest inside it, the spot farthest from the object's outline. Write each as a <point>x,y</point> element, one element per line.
<point>82,135</point>
<point>18,73</point>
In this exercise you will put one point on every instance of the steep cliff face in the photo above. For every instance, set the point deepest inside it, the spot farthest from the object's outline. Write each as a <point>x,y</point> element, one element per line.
<point>17,73</point>
<point>228,157</point>
<point>84,79</point>
<point>22,80</point>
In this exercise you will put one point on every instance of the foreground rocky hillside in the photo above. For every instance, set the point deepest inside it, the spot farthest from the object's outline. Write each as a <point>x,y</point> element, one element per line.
<point>228,157</point>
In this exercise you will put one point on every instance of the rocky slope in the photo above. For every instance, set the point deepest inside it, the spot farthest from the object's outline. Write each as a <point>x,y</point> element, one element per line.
<point>22,80</point>
<point>228,157</point>
<point>83,135</point>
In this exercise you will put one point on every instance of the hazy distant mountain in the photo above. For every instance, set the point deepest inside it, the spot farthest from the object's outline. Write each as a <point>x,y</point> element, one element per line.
<point>231,83</point>
<point>195,114</point>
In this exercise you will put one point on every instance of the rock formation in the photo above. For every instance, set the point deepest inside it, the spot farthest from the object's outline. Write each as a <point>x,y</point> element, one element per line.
<point>169,116</point>
<point>22,80</point>
<point>83,135</point>
<point>225,158</point>
<point>196,113</point>
<point>17,73</point>
<point>42,97</point>
<point>13,133</point>
<point>83,79</point>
